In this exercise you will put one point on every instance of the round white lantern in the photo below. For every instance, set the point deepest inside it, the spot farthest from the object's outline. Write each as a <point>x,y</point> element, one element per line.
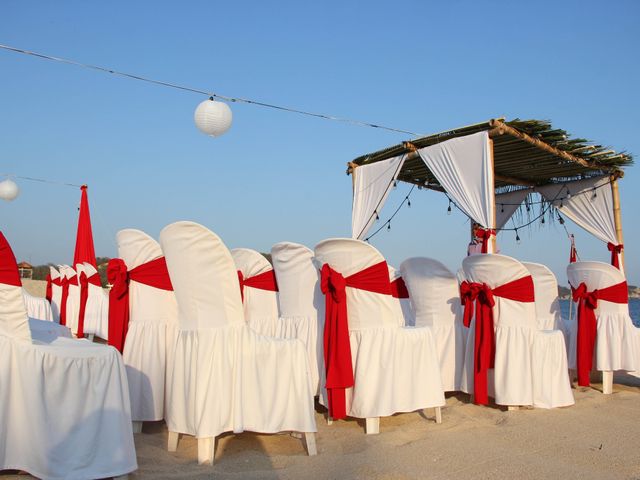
<point>213,118</point>
<point>8,190</point>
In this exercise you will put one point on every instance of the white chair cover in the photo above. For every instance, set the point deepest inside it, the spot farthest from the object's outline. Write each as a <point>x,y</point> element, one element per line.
<point>225,377</point>
<point>299,300</point>
<point>260,306</point>
<point>37,307</point>
<point>530,366</point>
<point>402,306</point>
<point>96,312</point>
<point>617,345</point>
<point>547,303</point>
<point>73,299</point>
<point>153,324</point>
<point>56,294</point>
<point>395,368</point>
<point>65,404</point>
<point>436,299</point>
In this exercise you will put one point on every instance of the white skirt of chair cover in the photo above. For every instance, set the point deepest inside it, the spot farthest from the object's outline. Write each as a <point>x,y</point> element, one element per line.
<point>66,410</point>
<point>551,384</point>
<point>397,371</point>
<point>306,330</point>
<point>147,354</point>
<point>245,381</point>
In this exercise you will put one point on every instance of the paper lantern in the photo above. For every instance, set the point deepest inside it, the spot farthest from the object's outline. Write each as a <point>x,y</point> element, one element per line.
<point>8,190</point>
<point>213,118</point>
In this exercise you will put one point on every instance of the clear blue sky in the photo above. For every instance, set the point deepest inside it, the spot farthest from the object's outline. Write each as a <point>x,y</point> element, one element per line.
<point>420,66</point>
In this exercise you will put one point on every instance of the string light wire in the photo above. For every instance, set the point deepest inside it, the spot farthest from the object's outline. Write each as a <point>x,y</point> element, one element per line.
<point>204,92</point>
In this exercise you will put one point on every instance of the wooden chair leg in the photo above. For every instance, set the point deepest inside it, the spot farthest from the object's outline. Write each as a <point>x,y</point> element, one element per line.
<point>310,441</point>
<point>513,408</point>
<point>372,426</point>
<point>329,420</point>
<point>90,337</point>
<point>438,414</point>
<point>206,450</point>
<point>172,444</point>
<point>137,427</point>
<point>607,382</point>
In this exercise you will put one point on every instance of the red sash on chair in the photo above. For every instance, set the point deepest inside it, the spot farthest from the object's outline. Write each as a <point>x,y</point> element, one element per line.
<point>587,325</point>
<point>153,274</point>
<point>615,253</point>
<point>49,293</point>
<point>399,288</point>
<point>520,290</point>
<point>84,296</point>
<point>337,349</point>
<point>65,295</point>
<point>263,281</point>
<point>485,234</point>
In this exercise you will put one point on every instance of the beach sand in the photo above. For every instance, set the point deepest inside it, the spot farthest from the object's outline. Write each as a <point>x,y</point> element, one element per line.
<point>598,438</point>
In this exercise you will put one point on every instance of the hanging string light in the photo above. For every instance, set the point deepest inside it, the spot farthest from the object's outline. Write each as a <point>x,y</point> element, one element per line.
<point>517,237</point>
<point>449,208</point>
<point>9,190</point>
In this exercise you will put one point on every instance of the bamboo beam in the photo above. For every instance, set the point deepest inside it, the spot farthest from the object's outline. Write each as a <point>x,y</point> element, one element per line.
<point>617,216</point>
<point>513,180</point>
<point>542,145</point>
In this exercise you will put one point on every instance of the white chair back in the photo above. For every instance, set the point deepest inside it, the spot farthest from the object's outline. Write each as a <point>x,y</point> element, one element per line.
<point>14,322</point>
<point>546,292</point>
<point>258,303</point>
<point>203,275</point>
<point>146,303</point>
<point>496,270</point>
<point>596,276</point>
<point>298,279</point>
<point>433,290</point>
<point>348,256</point>
<point>402,306</point>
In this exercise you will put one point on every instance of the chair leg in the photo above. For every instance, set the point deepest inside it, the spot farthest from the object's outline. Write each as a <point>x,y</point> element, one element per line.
<point>310,441</point>
<point>137,427</point>
<point>607,382</point>
<point>206,450</point>
<point>90,337</point>
<point>329,420</point>
<point>172,444</point>
<point>438,414</point>
<point>372,426</point>
<point>513,408</point>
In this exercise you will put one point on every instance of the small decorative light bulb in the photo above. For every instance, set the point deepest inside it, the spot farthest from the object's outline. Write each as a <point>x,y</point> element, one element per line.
<point>501,208</point>
<point>568,193</point>
<point>517,237</point>
<point>377,216</point>
<point>395,184</point>
<point>408,202</point>
<point>388,226</point>
<point>561,204</point>
<point>542,221</point>
<point>595,193</point>
<point>449,208</point>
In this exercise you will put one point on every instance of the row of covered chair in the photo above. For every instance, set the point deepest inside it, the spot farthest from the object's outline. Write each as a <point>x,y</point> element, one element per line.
<point>217,341</point>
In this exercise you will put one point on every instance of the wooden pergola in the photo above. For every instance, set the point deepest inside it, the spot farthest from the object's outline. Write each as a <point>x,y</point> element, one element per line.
<point>524,153</point>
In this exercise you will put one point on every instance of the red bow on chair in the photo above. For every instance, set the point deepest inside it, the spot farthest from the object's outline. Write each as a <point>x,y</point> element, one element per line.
<point>615,253</point>
<point>482,296</point>
<point>587,325</point>
<point>485,234</point>
<point>153,273</point>
<point>337,347</point>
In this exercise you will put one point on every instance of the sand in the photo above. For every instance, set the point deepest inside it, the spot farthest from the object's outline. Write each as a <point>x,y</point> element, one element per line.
<point>598,438</point>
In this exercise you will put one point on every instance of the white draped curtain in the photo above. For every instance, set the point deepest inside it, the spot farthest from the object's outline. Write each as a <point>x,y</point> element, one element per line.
<point>590,205</point>
<point>507,203</point>
<point>371,187</point>
<point>463,167</point>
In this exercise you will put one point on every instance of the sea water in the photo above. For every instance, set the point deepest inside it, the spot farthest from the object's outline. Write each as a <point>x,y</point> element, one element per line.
<point>634,310</point>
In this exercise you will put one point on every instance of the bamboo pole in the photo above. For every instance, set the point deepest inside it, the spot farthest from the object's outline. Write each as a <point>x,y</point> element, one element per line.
<point>492,197</point>
<point>617,216</point>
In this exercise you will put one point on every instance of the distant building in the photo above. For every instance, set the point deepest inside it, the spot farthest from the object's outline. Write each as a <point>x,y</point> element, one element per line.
<point>25,269</point>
